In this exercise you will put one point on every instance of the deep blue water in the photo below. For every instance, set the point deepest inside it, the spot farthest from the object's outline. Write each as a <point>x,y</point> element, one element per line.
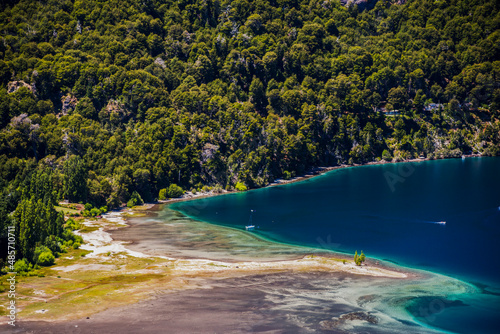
<point>390,212</point>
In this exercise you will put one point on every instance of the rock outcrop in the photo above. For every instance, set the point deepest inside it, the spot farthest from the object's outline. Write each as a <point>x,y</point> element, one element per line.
<point>13,86</point>
<point>68,102</point>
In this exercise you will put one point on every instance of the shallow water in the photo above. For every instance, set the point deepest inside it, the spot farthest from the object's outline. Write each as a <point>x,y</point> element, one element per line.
<point>172,234</point>
<point>302,302</point>
<point>391,212</point>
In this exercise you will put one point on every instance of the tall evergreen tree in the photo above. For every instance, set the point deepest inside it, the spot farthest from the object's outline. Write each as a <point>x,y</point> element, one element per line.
<point>75,179</point>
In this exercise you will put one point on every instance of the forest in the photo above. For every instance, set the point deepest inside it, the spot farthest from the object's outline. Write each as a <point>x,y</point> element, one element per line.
<point>107,102</point>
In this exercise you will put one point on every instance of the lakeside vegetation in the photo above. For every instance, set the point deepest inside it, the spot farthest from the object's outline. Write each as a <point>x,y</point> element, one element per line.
<point>112,102</point>
<point>359,259</point>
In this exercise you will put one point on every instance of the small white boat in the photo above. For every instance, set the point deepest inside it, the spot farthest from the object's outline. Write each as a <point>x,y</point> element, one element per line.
<point>442,223</point>
<point>250,226</point>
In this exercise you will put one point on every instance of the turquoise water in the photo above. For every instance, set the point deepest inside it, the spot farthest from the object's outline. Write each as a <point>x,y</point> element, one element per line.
<point>392,212</point>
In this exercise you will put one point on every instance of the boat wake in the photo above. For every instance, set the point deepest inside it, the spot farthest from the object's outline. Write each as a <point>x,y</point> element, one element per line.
<point>437,223</point>
<point>432,222</point>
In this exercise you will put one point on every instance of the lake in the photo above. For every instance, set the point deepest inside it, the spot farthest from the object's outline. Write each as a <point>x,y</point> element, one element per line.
<point>439,216</point>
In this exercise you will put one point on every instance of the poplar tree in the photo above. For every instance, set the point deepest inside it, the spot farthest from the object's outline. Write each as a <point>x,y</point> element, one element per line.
<point>75,179</point>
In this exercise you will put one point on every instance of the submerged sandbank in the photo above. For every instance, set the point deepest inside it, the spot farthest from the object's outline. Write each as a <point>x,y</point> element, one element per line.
<point>114,239</point>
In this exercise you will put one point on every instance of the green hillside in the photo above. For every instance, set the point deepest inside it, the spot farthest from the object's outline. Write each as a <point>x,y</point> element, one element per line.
<point>108,98</point>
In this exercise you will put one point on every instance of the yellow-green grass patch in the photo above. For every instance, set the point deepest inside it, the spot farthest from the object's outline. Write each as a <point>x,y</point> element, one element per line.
<point>107,292</point>
<point>89,228</point>
<point>66,211</point>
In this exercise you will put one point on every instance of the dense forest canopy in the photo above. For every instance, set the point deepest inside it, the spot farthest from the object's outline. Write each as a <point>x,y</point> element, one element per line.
<point>110,101</point>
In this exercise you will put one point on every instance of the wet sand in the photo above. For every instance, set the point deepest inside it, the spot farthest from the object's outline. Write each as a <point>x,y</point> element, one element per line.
<point>171,234</point>
<point>287,302</point>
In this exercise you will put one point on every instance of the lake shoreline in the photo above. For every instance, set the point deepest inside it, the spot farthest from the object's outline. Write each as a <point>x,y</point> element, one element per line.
<point>410,272</point>
<point>312,173</point>
<point>294,260</point>
<point>300,261</point>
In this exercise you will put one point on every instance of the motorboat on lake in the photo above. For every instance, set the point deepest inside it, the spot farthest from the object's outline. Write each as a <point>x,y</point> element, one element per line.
<point>250,226</point>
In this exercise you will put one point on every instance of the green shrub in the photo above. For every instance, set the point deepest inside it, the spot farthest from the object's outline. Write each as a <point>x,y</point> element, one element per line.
<point>287,175</point>
<point>72,225</point>
<point>46,258</point>
<point>240,186</point>
<point>22,266</point>
<point>43,256</point>
<point>95,212</point>
<point>163,194</point>
<point>39,250</point>
<point>217,189</point>
<point>53,243</point>
<point>386,155</point>
<point>175,191</point>
<point>135,199</point>
<point>68,235</point>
